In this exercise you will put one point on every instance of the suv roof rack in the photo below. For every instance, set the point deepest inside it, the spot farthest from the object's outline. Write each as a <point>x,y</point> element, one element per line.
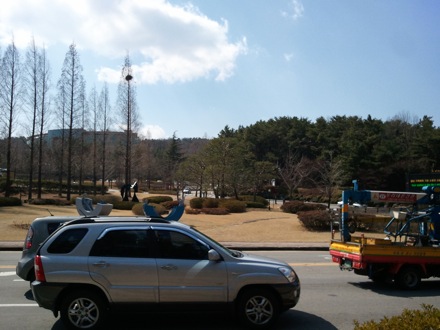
<point>114,219</point>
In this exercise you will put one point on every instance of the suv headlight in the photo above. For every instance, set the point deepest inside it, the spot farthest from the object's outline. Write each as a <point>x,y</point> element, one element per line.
<point>288,273</point>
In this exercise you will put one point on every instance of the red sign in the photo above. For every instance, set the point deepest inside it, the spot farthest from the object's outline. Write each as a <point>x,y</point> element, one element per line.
<point>397,197</point>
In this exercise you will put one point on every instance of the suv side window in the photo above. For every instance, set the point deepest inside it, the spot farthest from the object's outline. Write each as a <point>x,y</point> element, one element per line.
<point>67,241</point>
<point>122,243</point>
<point>175,245</point>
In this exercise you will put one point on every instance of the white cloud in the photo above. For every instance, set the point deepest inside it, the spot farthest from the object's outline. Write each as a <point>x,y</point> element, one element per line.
<point>288,57</point>
<point>296,10</point>
<point>152,132</point>
<point>174,43</point>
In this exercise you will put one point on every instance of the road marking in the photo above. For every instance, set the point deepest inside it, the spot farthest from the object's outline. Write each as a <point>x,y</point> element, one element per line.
<point>311,264</point>
<point>18,305</point>
<point>7,273</point>
<point>6,267</point>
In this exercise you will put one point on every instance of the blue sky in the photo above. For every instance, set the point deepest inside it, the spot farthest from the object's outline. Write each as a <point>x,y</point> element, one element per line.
<point>202,65</point>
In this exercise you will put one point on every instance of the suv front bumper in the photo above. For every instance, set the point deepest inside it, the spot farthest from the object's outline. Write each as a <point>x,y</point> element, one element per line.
<point>289,294</point>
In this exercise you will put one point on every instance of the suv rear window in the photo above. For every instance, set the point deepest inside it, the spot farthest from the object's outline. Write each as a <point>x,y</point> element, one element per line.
<point>67,241</point>
<point>51,227</point>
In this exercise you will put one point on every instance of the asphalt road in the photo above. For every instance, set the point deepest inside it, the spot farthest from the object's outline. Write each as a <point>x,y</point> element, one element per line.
<point>330,299</point>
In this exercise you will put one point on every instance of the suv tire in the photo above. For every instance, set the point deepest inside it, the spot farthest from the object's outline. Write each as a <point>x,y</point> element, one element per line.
<point>83,310</point>
<point>257,308</point>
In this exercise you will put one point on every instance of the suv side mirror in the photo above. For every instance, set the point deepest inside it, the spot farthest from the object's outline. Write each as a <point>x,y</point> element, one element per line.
<point>213,255</point>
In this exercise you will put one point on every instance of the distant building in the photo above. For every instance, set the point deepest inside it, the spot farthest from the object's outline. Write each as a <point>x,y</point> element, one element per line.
<point>112,137</point>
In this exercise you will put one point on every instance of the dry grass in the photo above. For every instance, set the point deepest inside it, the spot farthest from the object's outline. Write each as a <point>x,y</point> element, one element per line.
<point>252,226</point>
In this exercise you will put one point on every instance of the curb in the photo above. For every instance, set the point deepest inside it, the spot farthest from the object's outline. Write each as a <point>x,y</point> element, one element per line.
<point>251,246</point>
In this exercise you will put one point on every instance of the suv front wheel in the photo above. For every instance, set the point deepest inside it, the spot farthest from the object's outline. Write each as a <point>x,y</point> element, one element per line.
<point>83,310</point>
<point>258,308</point>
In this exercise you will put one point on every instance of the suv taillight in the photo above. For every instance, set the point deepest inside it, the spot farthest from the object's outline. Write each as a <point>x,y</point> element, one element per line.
<point>39,271</point>
<point>29,236</point>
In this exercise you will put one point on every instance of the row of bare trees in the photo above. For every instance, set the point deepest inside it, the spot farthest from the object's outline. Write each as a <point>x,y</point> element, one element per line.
<point>30,105</point>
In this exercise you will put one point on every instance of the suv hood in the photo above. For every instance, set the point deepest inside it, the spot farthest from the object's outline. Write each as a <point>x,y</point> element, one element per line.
<point>260,259</point>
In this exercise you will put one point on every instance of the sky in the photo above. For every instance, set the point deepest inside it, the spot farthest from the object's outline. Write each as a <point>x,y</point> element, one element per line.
<point>200,65</point>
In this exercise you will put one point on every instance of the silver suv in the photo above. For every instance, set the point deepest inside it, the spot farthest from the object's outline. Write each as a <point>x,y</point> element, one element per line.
<point>90,267</point>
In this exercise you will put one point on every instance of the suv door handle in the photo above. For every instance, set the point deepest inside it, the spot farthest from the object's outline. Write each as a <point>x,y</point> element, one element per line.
<point>100,264</point>
<point>168,267</point>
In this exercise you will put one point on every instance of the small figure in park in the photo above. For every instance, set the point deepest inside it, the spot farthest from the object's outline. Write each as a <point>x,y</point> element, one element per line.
<point>135,189</point>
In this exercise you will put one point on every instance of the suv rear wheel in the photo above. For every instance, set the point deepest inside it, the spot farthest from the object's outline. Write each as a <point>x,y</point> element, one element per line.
<point>258,308</point>
<point>83,310</point>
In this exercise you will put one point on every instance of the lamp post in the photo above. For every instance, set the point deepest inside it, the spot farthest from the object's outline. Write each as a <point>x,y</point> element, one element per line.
<point>128,78</point>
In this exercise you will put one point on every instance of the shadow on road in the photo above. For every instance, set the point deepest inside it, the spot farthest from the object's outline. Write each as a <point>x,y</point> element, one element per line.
<point>292,319</point>
<point>428,288</point>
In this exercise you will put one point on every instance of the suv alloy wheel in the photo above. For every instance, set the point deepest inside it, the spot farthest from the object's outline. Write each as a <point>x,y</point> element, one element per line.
<point>83,310</point>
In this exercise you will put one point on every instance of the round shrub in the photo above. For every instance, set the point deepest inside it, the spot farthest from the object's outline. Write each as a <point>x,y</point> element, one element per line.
<point>138,209</point>
<point>234,206</point>
<point>210,203</point>
<point>170,204</point>
<point>196,203</point>
<point>317,220</point>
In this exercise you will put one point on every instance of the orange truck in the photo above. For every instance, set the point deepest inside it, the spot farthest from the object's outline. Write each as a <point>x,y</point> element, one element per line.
<point>410,250</point>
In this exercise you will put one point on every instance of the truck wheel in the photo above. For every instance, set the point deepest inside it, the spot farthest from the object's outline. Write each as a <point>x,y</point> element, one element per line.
<point>83,310</point>
<point>258,308</point>
<point>409,278</point>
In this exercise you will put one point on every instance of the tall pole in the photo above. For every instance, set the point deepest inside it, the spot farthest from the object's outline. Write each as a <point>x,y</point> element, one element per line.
<point>128,77</point>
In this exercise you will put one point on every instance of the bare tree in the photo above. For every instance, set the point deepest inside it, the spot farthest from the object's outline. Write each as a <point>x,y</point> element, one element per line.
<point>330,175</point>
<point>59,143</point>
<point>127,107</point>
<point>44,111</point>
<point>295,171</point>
<point>72,86</point>
<point>10,97</point>
<point>36,85</point>
<point>84,114</point>
<point>104,118</point>
<point>94,109</point>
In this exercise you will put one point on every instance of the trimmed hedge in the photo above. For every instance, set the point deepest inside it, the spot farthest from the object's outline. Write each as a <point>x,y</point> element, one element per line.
<point>233,205</point>
<point>50,201</point>
<point>425,319</point>
<point>138,209</point>
<point>298,206</point>
<point>255,205</point>
<point>124,205</point>
<point>250,199</point>
<point>204,204</point>
<point>157,199</point>
<point>110,199</point>
<point>10,201</point>
<point>215,211</point>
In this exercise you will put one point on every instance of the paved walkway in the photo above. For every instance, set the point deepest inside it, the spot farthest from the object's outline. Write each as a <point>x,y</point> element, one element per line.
<point>17,245</point>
